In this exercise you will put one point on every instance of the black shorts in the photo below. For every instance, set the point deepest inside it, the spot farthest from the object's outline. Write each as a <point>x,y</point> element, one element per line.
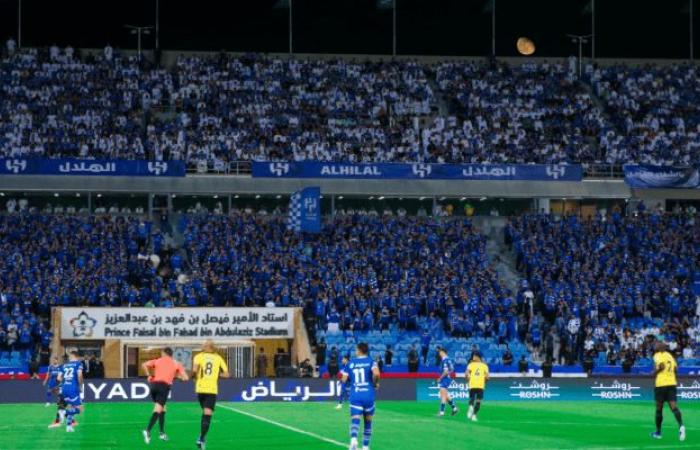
<point>159,393</point>
<point>207,401</point>
<point>665,394</point>
<point>476,394</point>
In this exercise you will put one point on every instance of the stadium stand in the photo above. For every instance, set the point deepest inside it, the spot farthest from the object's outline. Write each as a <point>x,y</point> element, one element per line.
<point>211,111</point>
<point>608,286</point>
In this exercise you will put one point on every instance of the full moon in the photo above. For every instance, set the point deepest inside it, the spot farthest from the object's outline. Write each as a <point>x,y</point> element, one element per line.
<point>525,46</point>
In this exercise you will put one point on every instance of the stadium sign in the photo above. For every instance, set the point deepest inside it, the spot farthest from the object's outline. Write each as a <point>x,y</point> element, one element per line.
<point>168,324</point>
<point>93,167</point>
<point>527,389</point>
<point>616,390</point>
<point>419,171</point>
<point>230,390</point>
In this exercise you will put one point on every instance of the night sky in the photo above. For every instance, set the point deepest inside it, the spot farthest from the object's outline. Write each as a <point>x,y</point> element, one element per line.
<point>624,28</point>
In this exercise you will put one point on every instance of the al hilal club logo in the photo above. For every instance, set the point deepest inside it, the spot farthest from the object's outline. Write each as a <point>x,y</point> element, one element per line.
<point>534,391</point>
<point>82,325</point>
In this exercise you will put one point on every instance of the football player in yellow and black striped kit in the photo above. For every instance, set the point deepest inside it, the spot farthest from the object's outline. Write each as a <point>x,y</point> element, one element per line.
<point>207,367</point>
<point>665,389</point>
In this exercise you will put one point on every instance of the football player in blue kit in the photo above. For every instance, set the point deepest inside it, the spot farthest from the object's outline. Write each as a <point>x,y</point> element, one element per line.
<point>362,376</point>
<point>71,379</point>
<point>447,368</point>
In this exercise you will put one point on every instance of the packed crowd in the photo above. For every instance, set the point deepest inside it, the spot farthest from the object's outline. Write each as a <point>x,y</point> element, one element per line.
<point>72,260</point>
<point>212,111</point>
<point>655,111</point>
<point>609,285</point>
<point>362,273</point>
<point>534,113</point>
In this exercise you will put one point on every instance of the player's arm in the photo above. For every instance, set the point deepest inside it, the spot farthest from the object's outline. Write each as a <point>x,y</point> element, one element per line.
<point>80,377</point>
<point>46,378</point>
<point>224,369</point>
<point>487,375</point>
<point>195,370</point>
<point>146,366</point>
<point>376,375</point>
<point>182,373</point>
<point>659,368</point>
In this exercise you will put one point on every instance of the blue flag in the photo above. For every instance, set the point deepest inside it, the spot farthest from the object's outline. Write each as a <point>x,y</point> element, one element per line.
<point>305,210</point>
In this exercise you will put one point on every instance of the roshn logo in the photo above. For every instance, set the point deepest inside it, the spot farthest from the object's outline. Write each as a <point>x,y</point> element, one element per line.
<point>421,170</point>
<point>534,391</point>
<point>279,169</point>
<point>556,172</point>
<point>691,392</point>
<point>615,391</point>
<point>16,165</point>
<point>82,325</point>
<point>158,167</point>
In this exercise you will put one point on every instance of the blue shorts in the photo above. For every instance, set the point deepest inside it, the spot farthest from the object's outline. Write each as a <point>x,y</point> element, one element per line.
<point>51,386</point>
<point>361,406</point>
<point>72,398</point>
<point>445,383</point>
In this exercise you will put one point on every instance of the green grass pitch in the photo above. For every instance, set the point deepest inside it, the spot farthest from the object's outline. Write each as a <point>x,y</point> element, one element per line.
<point>317,426</point>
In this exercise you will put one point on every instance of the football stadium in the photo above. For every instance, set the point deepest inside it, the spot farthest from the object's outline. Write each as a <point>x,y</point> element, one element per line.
<point>359,224</point>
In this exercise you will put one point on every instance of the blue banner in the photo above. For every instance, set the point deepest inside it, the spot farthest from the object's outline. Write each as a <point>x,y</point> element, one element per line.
<point>662,177</point>
<point>305,210</point>
<point>418,171</point>
<point>95,167</point>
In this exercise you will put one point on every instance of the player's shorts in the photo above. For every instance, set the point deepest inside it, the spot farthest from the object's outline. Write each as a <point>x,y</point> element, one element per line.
<point>207,401</point>
<point>476,394</point>
<point>51,386</point>
<point>160,392</point>
<point>71,398</point>
<point>445,383</point>
<point>665,394</point>
<point>360,406</point>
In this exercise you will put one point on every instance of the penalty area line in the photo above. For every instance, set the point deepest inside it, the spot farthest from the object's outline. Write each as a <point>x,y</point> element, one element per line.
<point>284,426</point>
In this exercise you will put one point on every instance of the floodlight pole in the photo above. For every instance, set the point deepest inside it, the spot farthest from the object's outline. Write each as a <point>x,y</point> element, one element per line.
<point>393,27</point>
<point>493,28</point>
<point>593,29</point>
<point>692,52</point>
<point>19,23</point>
<point>580,39</point>
<point>157,24</point>
<point>291,48</point>
<point>138,31</point>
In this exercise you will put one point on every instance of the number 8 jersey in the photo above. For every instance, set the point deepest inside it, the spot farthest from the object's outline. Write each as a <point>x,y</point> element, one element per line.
<point>210,364</point>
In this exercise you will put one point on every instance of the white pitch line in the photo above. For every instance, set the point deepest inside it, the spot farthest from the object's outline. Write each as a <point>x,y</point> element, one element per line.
<point>286,427</point>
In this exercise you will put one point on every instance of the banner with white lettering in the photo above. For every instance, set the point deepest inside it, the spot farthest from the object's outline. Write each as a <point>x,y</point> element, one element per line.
<point>102,167</point>
<point>168,324</point>
<point>650,177</point>
<point>419,171</point>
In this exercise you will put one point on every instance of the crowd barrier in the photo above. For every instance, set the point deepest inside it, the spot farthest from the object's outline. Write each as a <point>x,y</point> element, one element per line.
<point>315,390</point>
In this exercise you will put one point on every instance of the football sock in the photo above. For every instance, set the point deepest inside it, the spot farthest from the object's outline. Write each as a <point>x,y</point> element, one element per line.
<point>659,420</point>
<point>367,434</point>
<point>477,407</point>
<point>206,421</point>
<point>69,415</point>
<point>154,419</point>
<point>677,413</point>
<point>354,427</point>
<point>442,407</point>
<point>161,422</point>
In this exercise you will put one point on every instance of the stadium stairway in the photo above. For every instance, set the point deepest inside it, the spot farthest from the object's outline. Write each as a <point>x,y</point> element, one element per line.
<point>500,256</point>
